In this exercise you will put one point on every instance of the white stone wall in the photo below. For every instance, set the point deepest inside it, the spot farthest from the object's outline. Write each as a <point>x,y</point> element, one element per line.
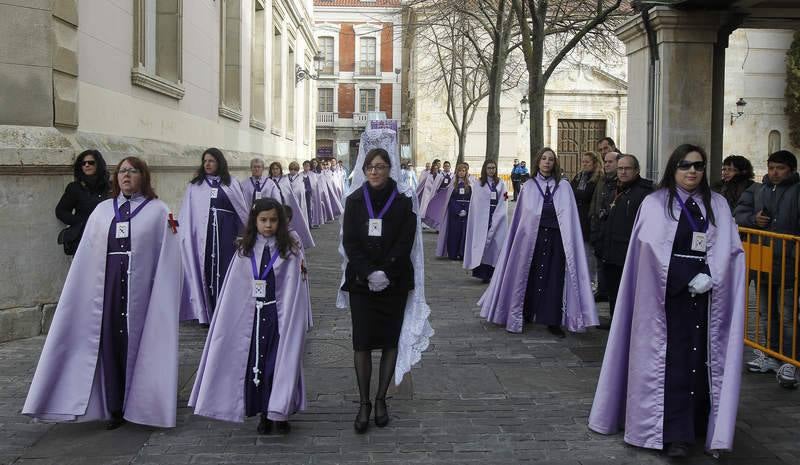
<point>755,69</point>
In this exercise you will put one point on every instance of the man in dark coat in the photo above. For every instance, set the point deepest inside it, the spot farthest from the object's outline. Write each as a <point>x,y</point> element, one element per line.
<point>616,225</point>
<point>775,206</point>
<point>598,209</point>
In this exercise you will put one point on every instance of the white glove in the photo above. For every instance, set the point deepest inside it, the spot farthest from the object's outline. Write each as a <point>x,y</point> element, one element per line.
<point>700,284</point>
<point>377,281</point>
<point>462,213</point>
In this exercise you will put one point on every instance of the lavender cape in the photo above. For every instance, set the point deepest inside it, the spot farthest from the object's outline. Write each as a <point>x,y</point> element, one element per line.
<point>483,244</point>
<point>193,221</point>
<point>248,189</point>
<point>630,392</point>
<point>441,240</point>
<point>503,301</point>
<point>68,385</point>
<point>420,187</point>
<point>335,198</point>
<point>218,389</point>
<point>299,190</point>
<point>436,205</point>
<point>317,214</point>
<point>286,195</point>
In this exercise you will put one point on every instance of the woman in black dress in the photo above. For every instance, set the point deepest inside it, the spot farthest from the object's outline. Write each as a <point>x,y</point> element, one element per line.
<point>90,187</point>
<point>377,236</point>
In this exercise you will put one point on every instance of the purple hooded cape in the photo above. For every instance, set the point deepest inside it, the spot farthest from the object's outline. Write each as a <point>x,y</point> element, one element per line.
<point>503,301</point>
<point>299,190</point>
<point>67,385</point>
<point>436,205</point>
<point>630,391</point>
<point>218,389</point>
<point>326,180</point>
<point>317,214</point>
<point>441,240</point>
<point>298,223</point>
<point>193,221</point>
<point>483,245</point>
<point>248,189</point>
<point>423,180</point>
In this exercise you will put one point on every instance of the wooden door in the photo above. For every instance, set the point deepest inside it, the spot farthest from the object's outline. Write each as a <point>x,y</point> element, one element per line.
<point>576,136</point>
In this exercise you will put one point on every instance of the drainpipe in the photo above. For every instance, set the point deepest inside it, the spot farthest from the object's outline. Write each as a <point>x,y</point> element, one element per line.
<point>652,168</point>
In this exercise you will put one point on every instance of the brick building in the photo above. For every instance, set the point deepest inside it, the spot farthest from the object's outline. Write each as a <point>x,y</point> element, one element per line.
<point>363,71</point>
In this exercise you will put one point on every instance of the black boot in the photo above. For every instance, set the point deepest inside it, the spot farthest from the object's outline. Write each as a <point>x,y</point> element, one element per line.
<point>116,421</point>
<point>556,330</point>
<point>264,425</point>
<point>362,419</point>
<point>282,427</point>
<point>678,450</point>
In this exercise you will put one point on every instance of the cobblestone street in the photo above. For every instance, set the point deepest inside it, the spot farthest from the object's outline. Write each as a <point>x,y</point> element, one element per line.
<point>480,395</point>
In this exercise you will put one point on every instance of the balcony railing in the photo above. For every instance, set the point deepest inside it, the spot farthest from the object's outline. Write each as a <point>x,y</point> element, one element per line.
<point>367,69</point>
<point>360,119</point>
<point>326,119</point>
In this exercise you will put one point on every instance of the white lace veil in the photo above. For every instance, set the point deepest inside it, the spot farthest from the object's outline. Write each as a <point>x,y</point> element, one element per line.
<point>416,330</point>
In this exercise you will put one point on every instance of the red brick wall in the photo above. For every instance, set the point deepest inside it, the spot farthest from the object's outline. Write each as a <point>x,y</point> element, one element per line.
<point>347,100</point>
<point>347,47</point>
<point>386,100</point>
<point>387,47</point>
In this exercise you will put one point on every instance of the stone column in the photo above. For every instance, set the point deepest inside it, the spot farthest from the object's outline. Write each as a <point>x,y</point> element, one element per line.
<point>683,82</point>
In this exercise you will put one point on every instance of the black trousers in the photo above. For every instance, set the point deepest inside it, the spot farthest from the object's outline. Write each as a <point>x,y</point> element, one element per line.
<point>612,275</point>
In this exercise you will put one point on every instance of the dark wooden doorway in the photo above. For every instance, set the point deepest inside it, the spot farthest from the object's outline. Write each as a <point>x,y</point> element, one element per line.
<point>576,136</point>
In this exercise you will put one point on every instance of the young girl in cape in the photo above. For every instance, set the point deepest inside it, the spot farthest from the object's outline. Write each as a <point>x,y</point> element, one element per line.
<point>253,358</point>
<point>453,223</point>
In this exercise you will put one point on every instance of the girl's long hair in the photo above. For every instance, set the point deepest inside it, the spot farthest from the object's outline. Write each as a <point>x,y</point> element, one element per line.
<point>286,245</point>
<point>668,180</point>
<point>467,185</point>
<point>485,177</point>
<point>222,167</point>
<point>556,173</point>
<point>146,188</point>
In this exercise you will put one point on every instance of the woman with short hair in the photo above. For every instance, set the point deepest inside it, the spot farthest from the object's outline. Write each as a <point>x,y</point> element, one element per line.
<point>212,216</point>
<point>737,177</point>
<point>112,349</point>
<point>91,186</point>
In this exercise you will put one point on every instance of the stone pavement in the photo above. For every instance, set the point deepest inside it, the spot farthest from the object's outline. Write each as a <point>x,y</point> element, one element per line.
<point>480,395</point>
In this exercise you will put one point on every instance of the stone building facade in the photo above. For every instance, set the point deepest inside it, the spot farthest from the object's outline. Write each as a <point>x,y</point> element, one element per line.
<point>159,79</point>
<point>361,44</point>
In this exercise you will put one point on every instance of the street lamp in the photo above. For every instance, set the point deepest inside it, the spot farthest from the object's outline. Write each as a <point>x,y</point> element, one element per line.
<point>739,110</point>
<point>301,73</point>
<point>523,109</point>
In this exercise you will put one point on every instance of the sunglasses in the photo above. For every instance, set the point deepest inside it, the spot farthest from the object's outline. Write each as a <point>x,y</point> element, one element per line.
<point>88,162</point>
<point>684,165</point>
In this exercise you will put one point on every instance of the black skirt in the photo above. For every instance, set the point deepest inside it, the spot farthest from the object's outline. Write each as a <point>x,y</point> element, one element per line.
<point>377,319</point>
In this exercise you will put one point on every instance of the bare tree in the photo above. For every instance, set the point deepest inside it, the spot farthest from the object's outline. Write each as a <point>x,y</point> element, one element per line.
<point>551,30</point>
<point>451,68</point>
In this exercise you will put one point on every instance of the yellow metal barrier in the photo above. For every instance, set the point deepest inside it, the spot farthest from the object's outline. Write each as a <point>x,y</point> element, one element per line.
<point>766,257</point>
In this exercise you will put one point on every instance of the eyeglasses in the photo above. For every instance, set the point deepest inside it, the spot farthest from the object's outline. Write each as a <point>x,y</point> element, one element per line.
<point>376,168</point>
<point>88,163</point>
<point>684,165</point>
<point>130,171</point>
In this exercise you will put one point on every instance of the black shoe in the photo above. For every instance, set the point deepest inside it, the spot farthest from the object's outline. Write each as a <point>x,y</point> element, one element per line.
<point>264,425</point>
<point>116,421</point>
<point>381,419</point>
<point>600,298</point>
<point>605,326</point>
<point>282,427</point>
<point>678,450</point>
<point>556,331</point>
<point>362,419</point>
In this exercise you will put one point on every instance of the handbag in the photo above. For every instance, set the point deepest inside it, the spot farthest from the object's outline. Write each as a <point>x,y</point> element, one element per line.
<point>70,237</point>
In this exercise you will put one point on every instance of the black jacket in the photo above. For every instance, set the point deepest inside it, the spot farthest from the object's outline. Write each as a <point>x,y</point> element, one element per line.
<point>616,226</point>
<point>583,199</point>
<point>782,202</point>
<point>78,202</point>
<point>390,253</point>
<point>733,189</point>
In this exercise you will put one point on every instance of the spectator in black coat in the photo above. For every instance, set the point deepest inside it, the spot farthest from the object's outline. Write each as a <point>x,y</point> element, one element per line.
<point>737,176</point>
<point>616,225</point>
<point>91,186</point>
<point>583,185</point>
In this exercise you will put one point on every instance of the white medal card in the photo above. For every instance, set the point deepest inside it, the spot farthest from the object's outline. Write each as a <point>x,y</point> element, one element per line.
<point>214,192</point>
<point>493,195</point>
<point>123,230</point>
<point>699,242</point>
<point>375,228</point>
<point>461,191</point>
<point>259,288</point>
<point>258,195</point>
<point>446,180</point>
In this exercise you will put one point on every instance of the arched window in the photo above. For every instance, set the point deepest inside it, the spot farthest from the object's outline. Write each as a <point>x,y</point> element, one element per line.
<point>774,143</point>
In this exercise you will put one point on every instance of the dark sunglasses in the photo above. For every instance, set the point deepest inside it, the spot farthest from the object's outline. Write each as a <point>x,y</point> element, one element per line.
<point>88,162</point>
<point>684,165</point>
